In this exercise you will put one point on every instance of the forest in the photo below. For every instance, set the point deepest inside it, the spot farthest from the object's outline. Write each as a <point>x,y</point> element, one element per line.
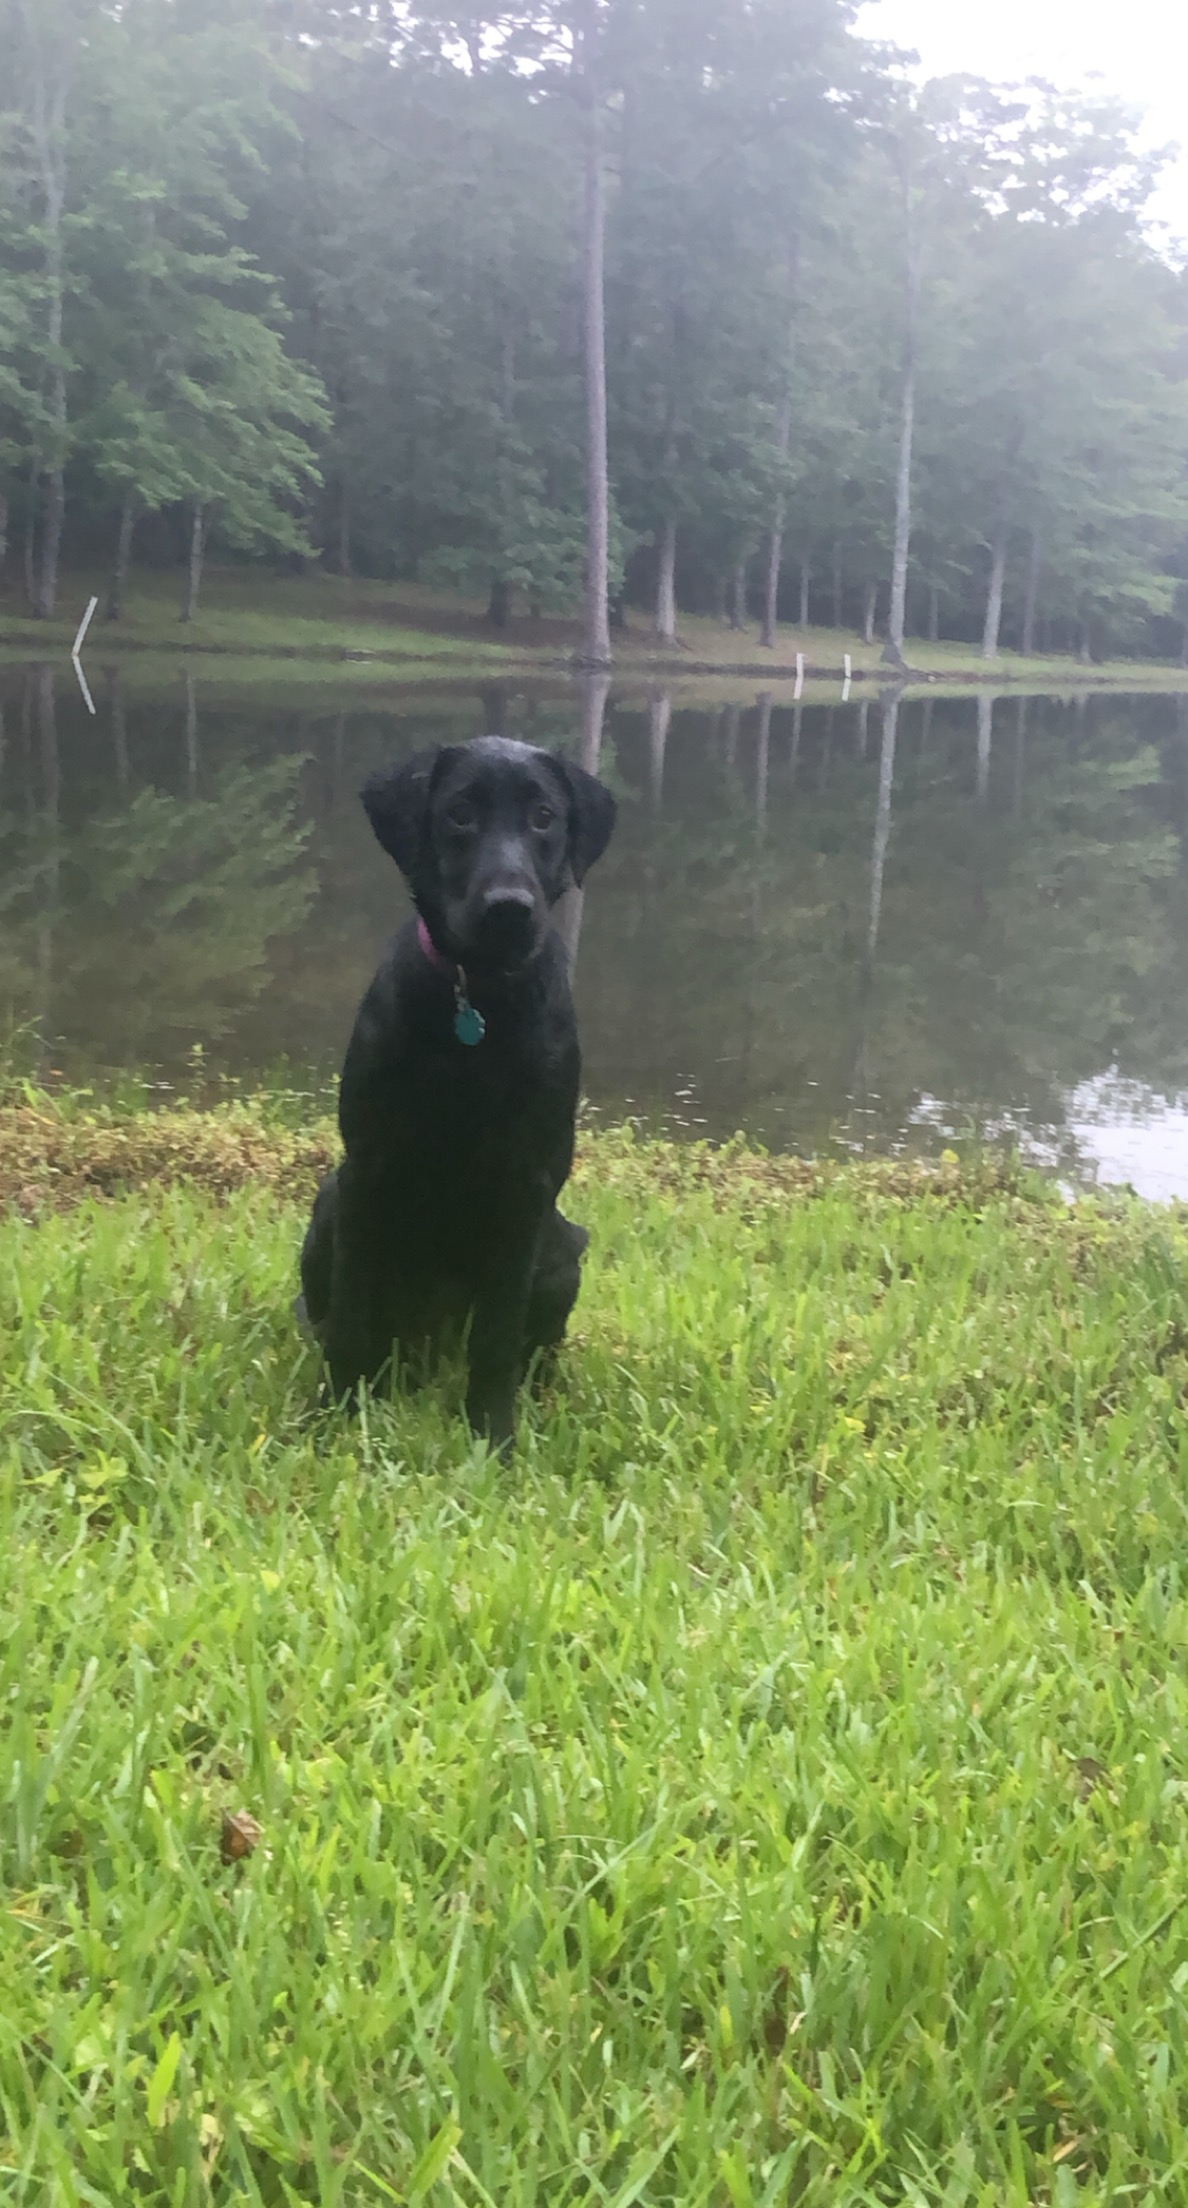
<point>641,305</point>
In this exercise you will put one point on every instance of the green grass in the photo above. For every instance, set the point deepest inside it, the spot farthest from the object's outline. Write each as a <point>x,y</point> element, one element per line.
<point>369,632</point>
<point>771,1787</point>
<point>243,612</point>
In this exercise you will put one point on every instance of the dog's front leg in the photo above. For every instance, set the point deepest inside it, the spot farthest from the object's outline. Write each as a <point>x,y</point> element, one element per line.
<point>498,1323</point>
<point>357,1336</point>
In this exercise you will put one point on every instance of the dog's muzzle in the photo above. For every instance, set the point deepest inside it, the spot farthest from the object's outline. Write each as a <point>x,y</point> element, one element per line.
<point>506,926</point>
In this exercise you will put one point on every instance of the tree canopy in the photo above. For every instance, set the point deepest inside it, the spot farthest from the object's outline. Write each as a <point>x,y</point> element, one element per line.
<point>314,278</point>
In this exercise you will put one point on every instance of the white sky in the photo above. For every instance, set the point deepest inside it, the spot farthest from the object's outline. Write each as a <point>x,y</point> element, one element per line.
<point>1137,49</point>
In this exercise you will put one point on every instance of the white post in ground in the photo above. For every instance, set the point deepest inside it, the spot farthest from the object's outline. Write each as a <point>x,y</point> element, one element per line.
<point>849,668</point>
<point>76,648</point>
<point>799,690</point>
<point>83,626</point>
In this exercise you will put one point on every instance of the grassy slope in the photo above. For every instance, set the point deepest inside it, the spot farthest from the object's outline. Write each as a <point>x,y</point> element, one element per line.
<point>773,1786</point>
<point>399,625</point>
<point>244,612</point>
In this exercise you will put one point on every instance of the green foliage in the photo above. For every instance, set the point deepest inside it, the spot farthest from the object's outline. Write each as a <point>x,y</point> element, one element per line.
<point>316,277</point>
<point>178,385</point>
<point>768,1788</point>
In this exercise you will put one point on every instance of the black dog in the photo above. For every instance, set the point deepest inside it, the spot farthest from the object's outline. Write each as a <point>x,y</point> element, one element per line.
<point>460,1086</point>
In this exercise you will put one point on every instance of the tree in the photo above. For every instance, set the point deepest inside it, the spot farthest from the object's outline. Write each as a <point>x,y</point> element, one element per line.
<point>47,54</point>
<point>596,639</point>
<point>560,301</point>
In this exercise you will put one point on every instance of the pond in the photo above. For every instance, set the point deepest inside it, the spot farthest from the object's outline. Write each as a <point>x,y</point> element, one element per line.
<point>837,927</point>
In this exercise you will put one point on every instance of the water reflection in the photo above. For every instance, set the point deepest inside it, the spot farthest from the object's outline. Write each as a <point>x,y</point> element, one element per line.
<point>870,925</point>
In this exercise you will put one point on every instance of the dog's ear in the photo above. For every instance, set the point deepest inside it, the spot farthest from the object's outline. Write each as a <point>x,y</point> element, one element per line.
<point>592,812</point>
<point>396,801</point>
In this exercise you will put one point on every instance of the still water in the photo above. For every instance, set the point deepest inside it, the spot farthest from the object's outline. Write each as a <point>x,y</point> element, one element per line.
<point>839,928</point>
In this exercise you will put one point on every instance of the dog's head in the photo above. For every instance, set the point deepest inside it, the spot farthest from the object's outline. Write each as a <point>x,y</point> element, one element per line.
<point>488,836</point>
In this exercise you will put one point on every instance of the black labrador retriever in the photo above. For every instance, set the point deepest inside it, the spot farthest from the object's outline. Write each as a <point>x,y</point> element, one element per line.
<point>460,1086</point>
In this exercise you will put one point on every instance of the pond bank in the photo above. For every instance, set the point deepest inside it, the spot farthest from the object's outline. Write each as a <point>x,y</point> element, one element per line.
<point>366,630</point>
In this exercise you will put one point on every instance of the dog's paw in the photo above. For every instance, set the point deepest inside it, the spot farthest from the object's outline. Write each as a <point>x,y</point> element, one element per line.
<point>493,1420</point>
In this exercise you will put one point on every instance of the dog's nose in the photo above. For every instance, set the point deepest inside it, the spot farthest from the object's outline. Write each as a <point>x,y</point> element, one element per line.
<point>508,916</point>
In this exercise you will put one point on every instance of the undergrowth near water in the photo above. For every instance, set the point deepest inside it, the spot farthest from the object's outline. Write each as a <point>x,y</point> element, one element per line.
<point>771,1787</point>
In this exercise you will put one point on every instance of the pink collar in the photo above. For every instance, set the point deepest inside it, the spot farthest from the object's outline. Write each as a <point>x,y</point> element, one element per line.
<point>440,964</point>
<point>469,1024</point>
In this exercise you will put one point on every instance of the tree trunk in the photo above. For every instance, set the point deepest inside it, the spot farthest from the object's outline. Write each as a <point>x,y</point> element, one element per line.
<point>738,606</point>
<point>882,834</point>
<point>596,643</point>
<point>665,624</point>
<point>903,509</point>
<point>805,579</point>
<point>985,738</point>
<point>771,593</point>
<point>721,609</point>
<point>51,535</point>
<point>837,586</point>
<point>1085,639</point>
<point>893,651</point>
<point>499,603</point>
<point>119,573</point>
<point>48,125</point>
<point>1031,598</point>
<point>870,602</point>
<point>993,622</point>
<point>660,720</point>
<point>933,614</point>
<point>30,545</point>
<point>775,543</point>
<point>189,604</point>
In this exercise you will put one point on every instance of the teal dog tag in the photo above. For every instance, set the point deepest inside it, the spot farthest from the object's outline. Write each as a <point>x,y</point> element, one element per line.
<point>469,1024</point>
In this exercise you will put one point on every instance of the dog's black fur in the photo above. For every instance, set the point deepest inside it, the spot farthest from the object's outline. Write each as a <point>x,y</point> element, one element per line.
<point>444,1209</point>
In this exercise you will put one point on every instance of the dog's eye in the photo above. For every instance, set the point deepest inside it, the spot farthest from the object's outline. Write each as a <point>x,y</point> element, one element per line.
<point>461,813</point>
<point>541,817</point>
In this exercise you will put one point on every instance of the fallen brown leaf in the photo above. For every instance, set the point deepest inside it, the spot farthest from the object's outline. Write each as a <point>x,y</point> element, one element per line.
<point>1090,1775</point>
<point>241,1835</point>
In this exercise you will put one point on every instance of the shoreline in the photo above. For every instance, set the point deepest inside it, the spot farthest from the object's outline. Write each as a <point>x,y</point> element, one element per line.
<point>60,1147</point>
<point>372,631</point>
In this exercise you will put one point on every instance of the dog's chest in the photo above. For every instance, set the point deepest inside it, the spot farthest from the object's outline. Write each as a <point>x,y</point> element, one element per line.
<point>455,1104</point>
